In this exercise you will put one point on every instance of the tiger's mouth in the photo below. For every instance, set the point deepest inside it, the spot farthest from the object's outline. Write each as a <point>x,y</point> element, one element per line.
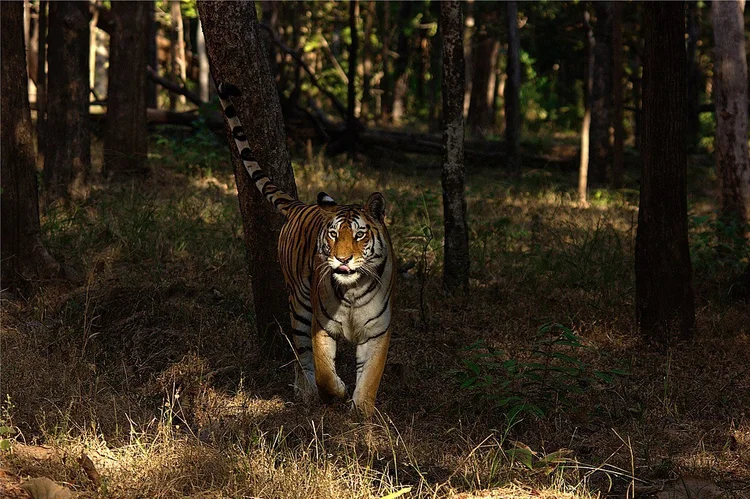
<point>344,270</point>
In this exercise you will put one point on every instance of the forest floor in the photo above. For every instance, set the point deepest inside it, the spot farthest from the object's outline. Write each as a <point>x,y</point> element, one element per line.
<point>533,384</point>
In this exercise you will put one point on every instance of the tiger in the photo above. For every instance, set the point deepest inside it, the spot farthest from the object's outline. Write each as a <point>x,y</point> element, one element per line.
<point>338,265</point>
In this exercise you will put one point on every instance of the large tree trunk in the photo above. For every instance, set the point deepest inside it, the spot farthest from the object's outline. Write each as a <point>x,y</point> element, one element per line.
<point>22,249</point>
<point>664,294</point>
<point>600,153</point>
<point>231,28</point>
<point>618,146</point>
<point>513,88</point>
<point>730,96</point>
<point>351,117</point>
<point>41,84</point>
<point>588,83</point>
<point>694,74</point>
<point>456,268</point>
<point>480,118</point>
<point>68,158</point>
<point>126,140</point>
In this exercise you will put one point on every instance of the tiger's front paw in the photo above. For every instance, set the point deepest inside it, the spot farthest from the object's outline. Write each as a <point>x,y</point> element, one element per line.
<point>333,390</point>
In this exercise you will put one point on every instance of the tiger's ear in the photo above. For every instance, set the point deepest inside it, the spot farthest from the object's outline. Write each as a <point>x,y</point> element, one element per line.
<point>325,200</point>
<point>375,206</point>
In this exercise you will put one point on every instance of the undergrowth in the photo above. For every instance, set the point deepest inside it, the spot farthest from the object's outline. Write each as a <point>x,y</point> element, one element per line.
<point>534,382</point>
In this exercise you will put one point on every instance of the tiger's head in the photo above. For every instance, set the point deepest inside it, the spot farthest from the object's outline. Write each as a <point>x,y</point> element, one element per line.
<point>354,242</point>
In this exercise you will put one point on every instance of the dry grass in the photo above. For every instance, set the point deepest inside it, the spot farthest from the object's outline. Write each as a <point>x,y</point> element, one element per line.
<point>145,359</point>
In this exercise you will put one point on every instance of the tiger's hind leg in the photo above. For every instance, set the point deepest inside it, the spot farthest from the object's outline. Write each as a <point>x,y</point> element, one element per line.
<point>304,372</point>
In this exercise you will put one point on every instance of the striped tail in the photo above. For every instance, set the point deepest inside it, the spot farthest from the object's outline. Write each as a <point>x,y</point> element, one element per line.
<point>280,199</point>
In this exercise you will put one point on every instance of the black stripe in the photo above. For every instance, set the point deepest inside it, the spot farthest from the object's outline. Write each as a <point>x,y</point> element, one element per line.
<point>301,319</point>
<point>246,154</point>
<point>238,134</point>
<point>230,112</point>
<point>385,306</point>
<point>373,337</point>
<point>258,175</point>
<point>301,350</point>
<point>297,332</point>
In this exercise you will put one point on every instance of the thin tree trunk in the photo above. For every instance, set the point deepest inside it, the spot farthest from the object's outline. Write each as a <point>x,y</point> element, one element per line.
<point>92,46</point>
<point>468,35</point>
<point>456,268</point>
<point>401,73</point>
<point>479,120</point>
<point>20,234</point>
<point>179,69</point>
<point>618,146</point>
<point>126,140</point>
<point>41,85</point>
<point>351,118</point>
<point>588,82</point>
<point>694,74</point>
<point>153,59</point>
<point>385,81</point>
<point>203,69</point>
<point>664,294</point>
<point>231,28</point>
<point>513,88</point>
<point>600,154</point>
<point>68,162</point>
<point>367,63</point>
<point>731,99</point>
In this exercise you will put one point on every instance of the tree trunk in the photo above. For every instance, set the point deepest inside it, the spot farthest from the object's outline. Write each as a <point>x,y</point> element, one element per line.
<point>153,60</point>
<point>179,68</point>
<point>512,94</point>
<point>664,294</point>
<point>351,118</point>
<point>41,85</point>
<point>600,153</point>
<point>588,83</point>
<point>401,73</point>
<point>480,117</point>
<point>731,100</point>
<point>365,109</point>
<point>203,69</point>
<point>456,268</point>
<point>694,74</point>
<point>68,158</point>
<point>22,248</point>
<point>231,28</point>
<point>126,140</point>
<point>468,34</point>
<point>385,81</point>
<point>618,146</point>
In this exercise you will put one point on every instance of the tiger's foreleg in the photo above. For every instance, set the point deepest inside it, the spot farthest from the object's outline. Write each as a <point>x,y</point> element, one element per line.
<point>371,357</point>
<point>329,384</point>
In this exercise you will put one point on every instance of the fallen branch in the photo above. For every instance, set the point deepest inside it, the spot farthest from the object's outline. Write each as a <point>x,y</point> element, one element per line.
<point>174,87</point>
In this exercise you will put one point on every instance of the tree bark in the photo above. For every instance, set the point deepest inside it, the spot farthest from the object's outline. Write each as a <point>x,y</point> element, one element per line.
<point>513,88</point>
<point>456,267</point>
<point>22,248</point>
<point>126,140</point>
<point>68,158</point>
<point>480,117</point>
<point>730,96</point>
<point>351,118</point>
<point>663,273</point>
<point>152,98</point>
<point>600,154</point>
<point>231,28</point>
<point>588,83</point>
<point>385,81</point>
<point>41,85</point>
<point>618,146</point>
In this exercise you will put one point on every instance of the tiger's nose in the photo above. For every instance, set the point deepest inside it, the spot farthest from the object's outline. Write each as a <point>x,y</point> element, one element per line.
<point>346,260</point>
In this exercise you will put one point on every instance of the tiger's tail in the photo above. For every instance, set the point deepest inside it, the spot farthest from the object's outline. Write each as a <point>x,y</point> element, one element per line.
<point>280,199</point>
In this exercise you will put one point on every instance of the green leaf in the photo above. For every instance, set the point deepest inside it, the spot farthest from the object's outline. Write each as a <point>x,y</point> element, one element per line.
<point>524,456</point>
<point>4,444</point>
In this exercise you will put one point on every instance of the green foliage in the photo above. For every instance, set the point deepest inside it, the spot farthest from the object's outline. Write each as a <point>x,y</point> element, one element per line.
<point>7,430</point>
<point>550,374</point>
<point>717,244</point>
